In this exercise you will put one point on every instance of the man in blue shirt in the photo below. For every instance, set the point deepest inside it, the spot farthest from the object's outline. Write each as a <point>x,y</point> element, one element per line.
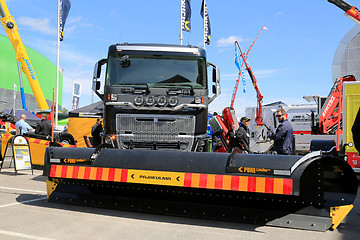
<point>25,127</point>
<point>283,135</point>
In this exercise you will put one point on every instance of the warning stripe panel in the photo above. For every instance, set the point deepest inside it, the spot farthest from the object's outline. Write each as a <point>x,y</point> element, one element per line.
<point>194,180</point>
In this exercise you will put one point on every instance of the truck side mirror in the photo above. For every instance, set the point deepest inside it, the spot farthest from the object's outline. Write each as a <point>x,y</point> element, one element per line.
<point>97,68</point>
<point>216,89</point>
<point>97,74</point>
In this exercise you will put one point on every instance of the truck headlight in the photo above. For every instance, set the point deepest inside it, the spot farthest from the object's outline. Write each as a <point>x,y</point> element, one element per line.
<point>199,100</point>
<point>114,97</point>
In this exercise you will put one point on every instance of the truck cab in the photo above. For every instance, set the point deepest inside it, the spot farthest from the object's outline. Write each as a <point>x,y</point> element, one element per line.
<point>156,96</point>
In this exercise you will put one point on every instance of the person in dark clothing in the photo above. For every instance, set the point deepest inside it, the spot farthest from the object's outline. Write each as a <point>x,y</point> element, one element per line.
<point>356,132</point>
<point>283,135</point>
<point>244,134</point>
<point>44,127</point>
<point>95,132</point>
<point>233,141</point>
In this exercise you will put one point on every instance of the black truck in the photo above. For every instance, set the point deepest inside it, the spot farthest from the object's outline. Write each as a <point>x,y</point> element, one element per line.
<point>156,96</point>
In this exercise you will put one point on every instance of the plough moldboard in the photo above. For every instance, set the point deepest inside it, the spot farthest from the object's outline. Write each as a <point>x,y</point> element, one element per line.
<point>309,192</point>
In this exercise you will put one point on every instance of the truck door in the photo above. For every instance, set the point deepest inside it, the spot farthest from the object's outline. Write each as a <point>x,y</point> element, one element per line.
<point>352,104</point>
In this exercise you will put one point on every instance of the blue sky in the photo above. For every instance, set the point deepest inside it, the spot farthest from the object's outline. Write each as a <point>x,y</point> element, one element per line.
<point>290,60</point>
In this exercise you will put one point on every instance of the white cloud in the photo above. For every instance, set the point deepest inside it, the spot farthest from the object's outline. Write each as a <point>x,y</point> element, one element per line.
<point>225,42</point>
<point>37,24</point>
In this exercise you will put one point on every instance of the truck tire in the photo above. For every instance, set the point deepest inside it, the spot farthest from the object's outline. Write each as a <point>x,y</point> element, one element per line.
<point>66,138</point>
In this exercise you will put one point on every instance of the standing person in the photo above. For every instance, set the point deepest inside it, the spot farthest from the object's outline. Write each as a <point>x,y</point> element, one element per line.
<point>44,127</point>
<point>283,135</point>
<point>244,134</point>
<point>233,141</point>
<point>22,126</point>
<point>95,132</point>
<point>356,131</point>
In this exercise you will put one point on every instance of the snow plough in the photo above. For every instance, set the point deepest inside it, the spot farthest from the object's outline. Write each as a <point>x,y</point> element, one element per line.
<point>154,157</point>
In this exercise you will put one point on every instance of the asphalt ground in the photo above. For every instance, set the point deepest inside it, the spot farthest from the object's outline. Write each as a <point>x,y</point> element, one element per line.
<point>25,213</point>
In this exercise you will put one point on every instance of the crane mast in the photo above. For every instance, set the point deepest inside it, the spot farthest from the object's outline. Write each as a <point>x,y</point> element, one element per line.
<point>238,80</point>
<point>12,31</point>
<point>259,96</point>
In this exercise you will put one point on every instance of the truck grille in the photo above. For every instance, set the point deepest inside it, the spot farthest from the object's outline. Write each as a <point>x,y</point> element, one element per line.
<point>165,132</point>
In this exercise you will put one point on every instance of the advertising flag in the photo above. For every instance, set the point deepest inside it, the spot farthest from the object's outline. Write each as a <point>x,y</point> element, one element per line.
<point>64,11</point>
<point>237,59</point>
<point>205,15</point>
<point>76,95</point>
<point>238,64</point>
<point>185,15</point>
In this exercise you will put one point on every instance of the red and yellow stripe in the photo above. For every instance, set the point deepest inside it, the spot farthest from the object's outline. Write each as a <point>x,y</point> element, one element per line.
<point>194,180</point>
<point>45,142</point>
<point>37,147</point>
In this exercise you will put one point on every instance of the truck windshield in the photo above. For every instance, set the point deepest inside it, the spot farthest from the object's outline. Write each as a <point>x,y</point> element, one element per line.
<point>157,71</point>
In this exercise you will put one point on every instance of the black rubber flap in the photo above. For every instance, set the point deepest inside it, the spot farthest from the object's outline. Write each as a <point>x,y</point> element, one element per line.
<point>196,162</point>
<point>73,153</point>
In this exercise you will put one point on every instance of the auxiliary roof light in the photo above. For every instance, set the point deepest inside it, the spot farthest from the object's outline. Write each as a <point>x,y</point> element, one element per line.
<point>150,101</point>
<point>173,101</point>
<point>139,100</point>
<point>161,101</point>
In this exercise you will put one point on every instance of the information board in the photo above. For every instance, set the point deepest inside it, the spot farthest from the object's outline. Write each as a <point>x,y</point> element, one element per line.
<point>22,157</point>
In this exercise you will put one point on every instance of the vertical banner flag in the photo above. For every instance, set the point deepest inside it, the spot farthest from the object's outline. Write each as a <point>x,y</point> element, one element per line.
<point>185,15</point>
<point>64,11</point>
<point>76,95</point>
<point>205,15</point>
<point>238,64</point>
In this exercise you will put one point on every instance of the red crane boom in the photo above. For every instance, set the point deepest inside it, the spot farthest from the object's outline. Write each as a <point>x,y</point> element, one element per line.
<point>259,96</point>
<point>238,80</point>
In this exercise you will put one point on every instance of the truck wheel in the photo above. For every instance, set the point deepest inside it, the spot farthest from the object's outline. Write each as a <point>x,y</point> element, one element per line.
<point>66,140</point>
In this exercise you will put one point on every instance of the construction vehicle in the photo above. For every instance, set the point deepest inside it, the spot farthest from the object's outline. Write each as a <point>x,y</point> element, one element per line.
<point>157,104</point>
<point>165,106</point>
<point>336,119</point>
<point>351,97</point>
